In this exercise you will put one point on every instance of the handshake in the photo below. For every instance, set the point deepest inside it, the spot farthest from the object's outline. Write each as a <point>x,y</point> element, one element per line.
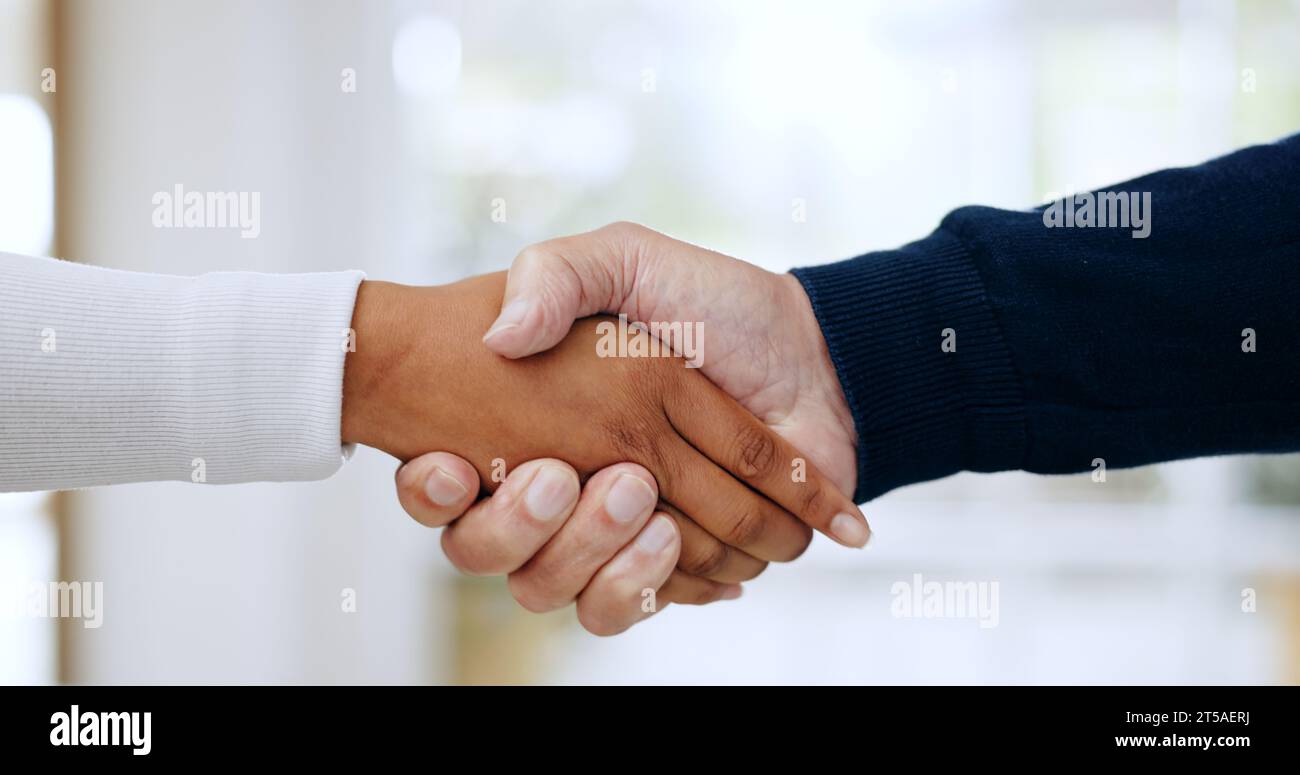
<point>626,467</point>
<point>610,475</point>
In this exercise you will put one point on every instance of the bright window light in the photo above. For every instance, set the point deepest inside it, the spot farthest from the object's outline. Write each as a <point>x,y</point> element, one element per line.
<point>26,176</point>
<point>426,56</point>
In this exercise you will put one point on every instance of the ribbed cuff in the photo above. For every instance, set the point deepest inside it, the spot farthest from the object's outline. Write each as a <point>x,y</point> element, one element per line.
<point>113,377</point>
<point>921,413</point>
<point>272,397</point>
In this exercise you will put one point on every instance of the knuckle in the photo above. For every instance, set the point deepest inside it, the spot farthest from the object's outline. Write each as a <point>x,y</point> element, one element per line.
<point>613,609</point>
<point>625,593</point>
<point>704,558</point>
<point>475,560</point>
<point>800,544</point>
<point>495,549</point>
<point>741,567</point>
<point>534,255</point>
<point>467,563</point>
<point>553,304</point>
<point>529,592</point>
<point>755,452</point>
<point>598,622</point>
<point>812,500</point>
<point>746,529</point>
<point>623,229</point>
<point>425,515</point>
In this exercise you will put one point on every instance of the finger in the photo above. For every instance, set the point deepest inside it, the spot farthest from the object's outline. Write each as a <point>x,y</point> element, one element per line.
<point>686,589</point>
<point>436,488</point>
<point>501,532</point>
<point>553,283</point>
<point>741,444</point>
<point>615,505</point>
<point>728,509</point>
<point>705,556</point>
<point>624,591</point>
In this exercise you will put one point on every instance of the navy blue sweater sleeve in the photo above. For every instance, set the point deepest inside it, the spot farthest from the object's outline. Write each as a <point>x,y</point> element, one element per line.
<point>1023,340</point>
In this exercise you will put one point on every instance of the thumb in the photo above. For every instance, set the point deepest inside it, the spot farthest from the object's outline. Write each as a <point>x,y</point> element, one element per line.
<point>551,284</point>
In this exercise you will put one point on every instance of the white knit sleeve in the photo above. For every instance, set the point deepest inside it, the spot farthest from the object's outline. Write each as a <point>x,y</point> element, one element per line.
<point>108,377</point>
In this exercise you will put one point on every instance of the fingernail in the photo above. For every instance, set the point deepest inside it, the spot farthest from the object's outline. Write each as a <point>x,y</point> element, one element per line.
<point>551,493</point>
<point>511,317</point>
<point>732,592</point>
<point>443,488</point>
<point>656,536</point>
<point>847,529</point>
<point>629,498</point>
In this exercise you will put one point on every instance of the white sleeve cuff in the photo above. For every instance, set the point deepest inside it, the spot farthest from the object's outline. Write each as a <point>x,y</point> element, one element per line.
<point>113,377</point>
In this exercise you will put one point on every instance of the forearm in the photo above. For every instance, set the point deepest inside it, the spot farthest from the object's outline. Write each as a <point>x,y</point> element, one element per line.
<point>111,377</point>
<point>1071,344</point>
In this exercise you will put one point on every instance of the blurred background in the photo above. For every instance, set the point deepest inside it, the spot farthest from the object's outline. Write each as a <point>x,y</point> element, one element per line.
<point>422,141</point>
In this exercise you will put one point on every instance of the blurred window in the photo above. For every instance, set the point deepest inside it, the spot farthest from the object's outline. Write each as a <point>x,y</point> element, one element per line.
<point>28,537</point>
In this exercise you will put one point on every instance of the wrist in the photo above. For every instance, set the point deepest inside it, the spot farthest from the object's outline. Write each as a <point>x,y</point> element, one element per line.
<point>817,371</point>
<point>419,364</point>
<point>378,346</point>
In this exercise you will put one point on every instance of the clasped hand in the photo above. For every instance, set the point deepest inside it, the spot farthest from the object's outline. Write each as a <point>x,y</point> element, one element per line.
<point>687,493</point>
